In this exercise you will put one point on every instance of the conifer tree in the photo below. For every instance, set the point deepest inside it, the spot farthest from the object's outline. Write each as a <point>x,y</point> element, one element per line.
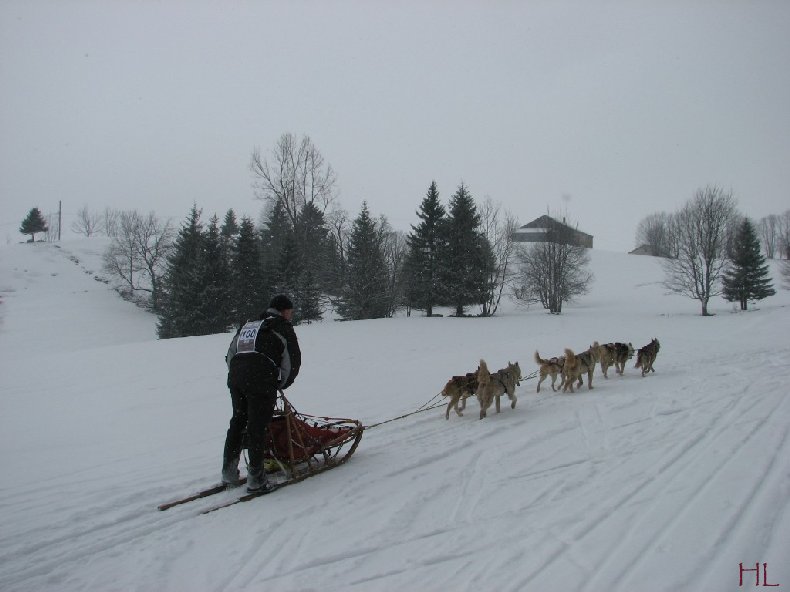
<point>365,294</point>
<point>34,222</point>
<point>312,243</point>
<point>289,267</point>
<point>250,293</point>
<point>425,244</point>
<point>183,282</point>
<point>275,232</point>
<point>307,299</point>
<point>214,304</point>
<point>466,256</point>
<point>747,277</point>
<point>230,228</point>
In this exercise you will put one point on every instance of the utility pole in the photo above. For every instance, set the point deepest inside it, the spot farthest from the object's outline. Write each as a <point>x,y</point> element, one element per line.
<point>60,217</point>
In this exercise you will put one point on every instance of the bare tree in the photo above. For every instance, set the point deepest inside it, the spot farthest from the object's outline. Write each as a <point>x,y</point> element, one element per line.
<point>294,174</point>
<point>53,228</point>
<point>395,249</point>
<point>121,259</point>
<point>154,244</point>
<point>768,229</point>
<point>86,223</point>
<point>498,227</point>
<point>110,222</point>
<point>138,253</point>
<point>784,269</point>
<point>655,231</point>
<point>673,242</point>
<point>702,233</point>
<point>552,272</point>
<point>340,228</point>
<point>784,235</point>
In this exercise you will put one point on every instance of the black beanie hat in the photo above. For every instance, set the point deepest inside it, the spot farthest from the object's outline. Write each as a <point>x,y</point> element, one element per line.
<point>281,302</point>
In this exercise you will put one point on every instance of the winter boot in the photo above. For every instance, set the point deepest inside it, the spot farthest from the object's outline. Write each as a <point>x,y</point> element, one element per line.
<point>230,471</point>
<point>256,480</point>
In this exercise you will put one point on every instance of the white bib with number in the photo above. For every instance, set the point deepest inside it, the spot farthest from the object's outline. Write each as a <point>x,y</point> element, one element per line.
<point>247,337</point>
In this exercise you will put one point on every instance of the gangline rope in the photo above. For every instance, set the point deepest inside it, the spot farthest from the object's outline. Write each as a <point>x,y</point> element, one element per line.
<point>428,405</point>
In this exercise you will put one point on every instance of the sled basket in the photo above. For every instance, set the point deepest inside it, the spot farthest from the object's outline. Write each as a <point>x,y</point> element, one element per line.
<point>302,445</point>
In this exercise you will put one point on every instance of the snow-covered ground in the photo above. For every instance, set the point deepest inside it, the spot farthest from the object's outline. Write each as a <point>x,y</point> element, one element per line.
<point>668,482</point>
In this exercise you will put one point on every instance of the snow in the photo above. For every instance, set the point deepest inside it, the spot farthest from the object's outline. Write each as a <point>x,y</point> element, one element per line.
<point>667,482</point>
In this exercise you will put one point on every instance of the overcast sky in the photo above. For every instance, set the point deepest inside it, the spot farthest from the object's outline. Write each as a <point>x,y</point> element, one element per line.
<point>601,111</point>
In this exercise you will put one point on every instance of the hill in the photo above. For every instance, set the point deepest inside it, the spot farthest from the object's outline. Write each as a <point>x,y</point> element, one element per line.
<point>667,482</point>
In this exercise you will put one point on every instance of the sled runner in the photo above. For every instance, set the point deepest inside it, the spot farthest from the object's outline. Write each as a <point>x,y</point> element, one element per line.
<point>298,446</point>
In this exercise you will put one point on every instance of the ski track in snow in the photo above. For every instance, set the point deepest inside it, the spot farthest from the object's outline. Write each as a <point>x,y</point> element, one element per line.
<point>665,482</point>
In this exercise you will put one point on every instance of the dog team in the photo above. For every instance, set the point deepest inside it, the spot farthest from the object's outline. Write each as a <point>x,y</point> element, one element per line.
<point>570,368</point>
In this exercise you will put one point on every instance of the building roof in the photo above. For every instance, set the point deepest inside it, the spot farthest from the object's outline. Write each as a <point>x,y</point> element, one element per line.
<point>545,223</point>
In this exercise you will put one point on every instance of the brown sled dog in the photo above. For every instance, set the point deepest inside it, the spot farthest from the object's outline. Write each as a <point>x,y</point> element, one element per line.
<point>550,367</point>
<point>647,355</point>
<point>615,354</point>
<point>491,387</point>
<point>458,389</point>
<point>578,365</point>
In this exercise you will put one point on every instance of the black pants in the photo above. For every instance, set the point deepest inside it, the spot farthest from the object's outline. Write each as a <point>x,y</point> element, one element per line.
<point>253,392</point>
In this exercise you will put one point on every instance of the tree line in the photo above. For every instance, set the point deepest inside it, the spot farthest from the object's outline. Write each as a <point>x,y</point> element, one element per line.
<point>659,232</point>
<point>218,275</point>
<point>711,249</point>
<point>207,276</point>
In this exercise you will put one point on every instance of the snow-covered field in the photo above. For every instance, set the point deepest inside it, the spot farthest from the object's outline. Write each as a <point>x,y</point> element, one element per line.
<point>668,482</point>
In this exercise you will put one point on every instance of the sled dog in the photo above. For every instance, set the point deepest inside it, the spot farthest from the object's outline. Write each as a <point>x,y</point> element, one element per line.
<point>615,354</point>
<point>647,355</point>
<point>550,367</point>
<point>491,387</point>
<point>578,365</point>
<point>458,389</point>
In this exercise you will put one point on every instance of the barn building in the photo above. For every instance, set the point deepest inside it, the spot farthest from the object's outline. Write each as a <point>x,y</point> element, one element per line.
<point>547,229</point>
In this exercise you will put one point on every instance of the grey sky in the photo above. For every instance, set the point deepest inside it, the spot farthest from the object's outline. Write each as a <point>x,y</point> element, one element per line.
<point>604,111</point>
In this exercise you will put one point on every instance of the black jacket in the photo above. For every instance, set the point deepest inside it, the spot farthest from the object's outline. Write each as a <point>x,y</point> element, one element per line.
<point>276,345</point>
<point>286,355</point>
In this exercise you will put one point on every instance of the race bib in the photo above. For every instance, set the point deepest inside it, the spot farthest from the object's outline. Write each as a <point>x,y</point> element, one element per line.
<point>247,336</point>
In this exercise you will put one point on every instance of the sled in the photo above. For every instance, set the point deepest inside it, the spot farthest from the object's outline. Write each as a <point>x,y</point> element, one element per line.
<point>298,446</point>
<point>301,445</point>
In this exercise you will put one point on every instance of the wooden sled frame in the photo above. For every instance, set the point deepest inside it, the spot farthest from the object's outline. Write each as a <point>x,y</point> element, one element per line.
<point>303,445</point>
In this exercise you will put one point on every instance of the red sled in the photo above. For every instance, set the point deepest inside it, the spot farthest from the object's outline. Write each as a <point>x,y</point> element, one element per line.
<point>302,445</point>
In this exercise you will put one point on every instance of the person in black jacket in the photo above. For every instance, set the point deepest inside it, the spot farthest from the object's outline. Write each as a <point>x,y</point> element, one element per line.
<point>263,357</point>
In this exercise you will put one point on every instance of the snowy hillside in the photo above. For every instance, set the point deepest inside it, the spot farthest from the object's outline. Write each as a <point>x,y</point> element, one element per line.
<point>662,483</point>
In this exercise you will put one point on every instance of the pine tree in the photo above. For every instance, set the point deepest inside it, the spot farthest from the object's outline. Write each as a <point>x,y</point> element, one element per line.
<point>336,267</point>
<point>425,243</point>
<point>289,268</point>
<point>365,294</point>
<point>34,222</point>
<point>312,242</point>
<point>182,282</point>
<point>747,277</point>
<point>250,292</point>
<point>303,268</point>
<point>214,304</point>
<point>465,258</point>
<point>230,228</point>
<point>275,233</point>
<point>307,299</point>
